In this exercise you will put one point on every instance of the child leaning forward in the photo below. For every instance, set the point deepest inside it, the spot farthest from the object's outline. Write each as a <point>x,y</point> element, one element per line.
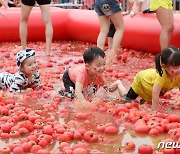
<point>27,75</point>
<point>88,75</point>
<point>150,84</point>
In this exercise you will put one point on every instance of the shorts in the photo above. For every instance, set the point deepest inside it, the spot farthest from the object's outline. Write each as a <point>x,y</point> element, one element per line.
<point>32,2</point>
<point>68,85</point>
<point>112,30</point>
<point>155,4</point>
<point>131,95</point>
<point>106,7</point>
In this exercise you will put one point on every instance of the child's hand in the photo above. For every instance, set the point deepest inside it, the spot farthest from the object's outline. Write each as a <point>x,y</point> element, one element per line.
<point>113,87</point>
<point>28,90</point>
<point>84,104</point>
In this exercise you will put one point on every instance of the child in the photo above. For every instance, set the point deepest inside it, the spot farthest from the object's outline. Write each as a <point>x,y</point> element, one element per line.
<point>76,79</point>
<point>27,75</point>
<point>149,84</point>
<point>137,6</point>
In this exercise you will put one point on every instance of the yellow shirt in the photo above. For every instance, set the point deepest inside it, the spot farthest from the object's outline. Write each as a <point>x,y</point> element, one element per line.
<point>144,81</point>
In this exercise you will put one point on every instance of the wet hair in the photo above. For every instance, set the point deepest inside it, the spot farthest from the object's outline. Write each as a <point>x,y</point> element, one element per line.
<point>93,53</point>
<point>169,57</point>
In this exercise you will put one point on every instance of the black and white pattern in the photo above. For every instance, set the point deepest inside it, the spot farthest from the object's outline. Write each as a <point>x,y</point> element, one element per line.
<point>17,82</point>
<point>22,55</point>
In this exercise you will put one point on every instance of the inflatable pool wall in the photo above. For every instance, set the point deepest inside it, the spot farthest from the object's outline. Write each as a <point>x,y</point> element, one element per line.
<point>141,31</point>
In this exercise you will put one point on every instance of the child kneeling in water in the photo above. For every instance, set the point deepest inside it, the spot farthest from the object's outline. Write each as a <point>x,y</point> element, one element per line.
<point>27,75</point>
<point>149,84</point>
<point>78,78</point>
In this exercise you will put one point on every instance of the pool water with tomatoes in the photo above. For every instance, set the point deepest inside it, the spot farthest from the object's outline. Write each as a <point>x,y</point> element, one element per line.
<point>43,122</point>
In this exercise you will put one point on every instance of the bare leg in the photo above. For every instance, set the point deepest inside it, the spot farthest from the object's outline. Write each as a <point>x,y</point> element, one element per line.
<point>165,18</point>
<point>25,11</point>
<point>104,29</point>
<point>45,9</point>
<point>117,19</point>
<point>118,85</point>
<point>110,39</point>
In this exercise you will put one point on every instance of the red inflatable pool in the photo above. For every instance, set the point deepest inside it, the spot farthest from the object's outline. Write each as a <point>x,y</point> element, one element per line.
<point>141,32</point>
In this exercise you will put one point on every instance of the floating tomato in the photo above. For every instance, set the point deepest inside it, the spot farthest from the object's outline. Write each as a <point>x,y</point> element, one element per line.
<point>145,149</point>
<point>90,136</point>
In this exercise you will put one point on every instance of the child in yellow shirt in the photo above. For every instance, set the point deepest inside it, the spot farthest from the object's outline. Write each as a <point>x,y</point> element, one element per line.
<point>149,84</point>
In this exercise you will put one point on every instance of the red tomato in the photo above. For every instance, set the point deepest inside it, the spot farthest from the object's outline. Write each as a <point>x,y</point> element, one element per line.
<point>141,129</point>
<point>169,151</point>
<point>152,124</point>
<point>28,125</point>
<point>43,142</point>
<point>77,136</point>
<point>154,132</point>
<point>91,136</point>
<point>23,131</point>
<point>80,151</point>
<point>145,149</point>
<point>173,118</point>
<point>101,128</point>
<point>5,150</point>
<point>7,127</point>
<point>48,130</point>
<point>26,146</point>
<point>36,148</point>
<point>111,130</point>
<point>82,115</point>
<point>5,136</point>
<point>171,126</point>
<point>64,138</point>
<point>129,146</point>
<point>63,144</point>
<point>14,133</point>
<point>82,131</point>
<point>18,150</point>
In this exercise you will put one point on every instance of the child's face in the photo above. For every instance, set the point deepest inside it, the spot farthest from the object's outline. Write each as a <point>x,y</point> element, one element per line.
<point>173,71</point>
<point>97,67</point>
<point>29,66</point>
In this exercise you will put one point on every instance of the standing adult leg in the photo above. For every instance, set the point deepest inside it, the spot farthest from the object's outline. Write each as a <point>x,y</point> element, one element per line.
<point>117,19</point>
<point>25,11</point>
<point>104,29</point>
<point>165,17</point>
<point>45,9</point>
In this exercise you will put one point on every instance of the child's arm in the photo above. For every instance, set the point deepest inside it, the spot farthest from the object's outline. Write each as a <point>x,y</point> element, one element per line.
<point>118,85</point>
<point>155,96</point>
<point>36,79</point>
<point>78,92</point>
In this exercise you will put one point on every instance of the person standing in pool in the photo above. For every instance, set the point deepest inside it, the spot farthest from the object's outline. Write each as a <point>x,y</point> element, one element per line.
<point>164,13</point>
<point>109,10</point>
<point>26,7</point>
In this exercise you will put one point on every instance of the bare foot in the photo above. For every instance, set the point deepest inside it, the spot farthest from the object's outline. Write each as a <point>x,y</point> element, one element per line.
<point>111,57</point>
<point>47,53</point>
